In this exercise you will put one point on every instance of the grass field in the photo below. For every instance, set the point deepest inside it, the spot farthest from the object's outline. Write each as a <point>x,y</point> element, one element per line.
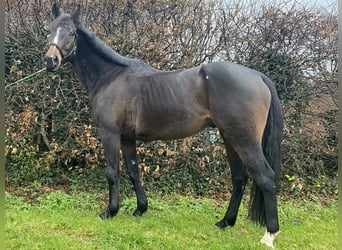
<point>69,221</point>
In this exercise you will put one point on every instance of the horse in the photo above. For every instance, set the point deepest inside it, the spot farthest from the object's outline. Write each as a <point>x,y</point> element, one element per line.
<point>130,100</point>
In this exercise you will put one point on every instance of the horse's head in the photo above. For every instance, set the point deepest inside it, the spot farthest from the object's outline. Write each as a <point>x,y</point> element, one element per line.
<point>62,38</point>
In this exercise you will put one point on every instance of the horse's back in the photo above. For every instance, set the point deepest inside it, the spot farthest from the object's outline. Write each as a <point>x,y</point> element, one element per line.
<point>234,80</point>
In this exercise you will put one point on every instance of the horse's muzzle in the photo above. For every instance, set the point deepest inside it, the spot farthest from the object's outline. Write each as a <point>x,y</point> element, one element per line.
<point>53,57</point>
<point>51,62</point>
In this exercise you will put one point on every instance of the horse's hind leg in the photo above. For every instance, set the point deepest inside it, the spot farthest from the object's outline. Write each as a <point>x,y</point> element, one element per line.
<point>264,201</point>
<point>239,179</point>
<point>130,155</point>
<point>263,209</point>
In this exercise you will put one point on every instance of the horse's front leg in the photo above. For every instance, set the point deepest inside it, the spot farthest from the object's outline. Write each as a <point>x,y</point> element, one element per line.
<point>111,145</point>
<point>130,154</point>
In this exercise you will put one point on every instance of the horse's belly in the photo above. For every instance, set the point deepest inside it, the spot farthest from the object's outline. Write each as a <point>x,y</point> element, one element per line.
<point>174,127</point>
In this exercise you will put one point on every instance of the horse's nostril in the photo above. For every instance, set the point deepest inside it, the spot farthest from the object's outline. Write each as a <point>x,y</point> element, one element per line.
<point>54,59</point>
<point>51,62</point>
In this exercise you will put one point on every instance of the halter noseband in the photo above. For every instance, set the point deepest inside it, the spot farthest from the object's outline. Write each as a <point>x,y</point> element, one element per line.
<point>71,53</point>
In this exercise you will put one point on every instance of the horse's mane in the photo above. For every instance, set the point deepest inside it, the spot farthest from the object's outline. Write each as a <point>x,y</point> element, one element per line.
<point>101,48</point>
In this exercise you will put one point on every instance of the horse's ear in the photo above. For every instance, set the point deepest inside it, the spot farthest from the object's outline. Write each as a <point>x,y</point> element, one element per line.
<point>56,11</point>
<point>77,14</point>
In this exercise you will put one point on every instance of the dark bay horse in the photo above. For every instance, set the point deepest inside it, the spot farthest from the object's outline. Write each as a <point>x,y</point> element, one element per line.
<point>131,101</point>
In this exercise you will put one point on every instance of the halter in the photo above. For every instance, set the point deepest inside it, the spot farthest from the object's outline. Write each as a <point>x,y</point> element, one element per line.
<point>71,53</point>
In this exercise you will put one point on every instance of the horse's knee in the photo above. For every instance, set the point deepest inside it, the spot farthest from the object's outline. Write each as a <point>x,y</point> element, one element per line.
<point>112,175</point>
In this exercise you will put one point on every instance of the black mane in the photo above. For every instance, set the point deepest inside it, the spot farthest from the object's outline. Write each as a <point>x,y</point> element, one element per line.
<point>102,48</point>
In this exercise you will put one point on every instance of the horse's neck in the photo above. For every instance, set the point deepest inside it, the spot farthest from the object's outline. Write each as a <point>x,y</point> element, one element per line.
<point>91,69</point>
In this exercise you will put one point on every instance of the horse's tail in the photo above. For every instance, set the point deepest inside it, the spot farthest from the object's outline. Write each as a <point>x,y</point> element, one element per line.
<point>271,145</point>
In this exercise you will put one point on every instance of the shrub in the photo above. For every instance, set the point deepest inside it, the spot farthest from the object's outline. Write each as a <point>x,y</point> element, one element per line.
<point>50,135</point>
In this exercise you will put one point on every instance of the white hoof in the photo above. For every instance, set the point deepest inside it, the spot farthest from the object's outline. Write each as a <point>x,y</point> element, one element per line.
<point>268,238</point>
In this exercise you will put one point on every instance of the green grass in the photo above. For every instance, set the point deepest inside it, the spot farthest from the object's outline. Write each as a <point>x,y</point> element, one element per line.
<point>61,221</point>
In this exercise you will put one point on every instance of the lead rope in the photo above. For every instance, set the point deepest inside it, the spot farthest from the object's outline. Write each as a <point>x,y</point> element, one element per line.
<point>26,78</point>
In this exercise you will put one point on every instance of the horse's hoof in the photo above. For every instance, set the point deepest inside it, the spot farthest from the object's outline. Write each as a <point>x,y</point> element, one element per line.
<point>137,213</point>
<point>221,225</point>
<point>268,239</point>
<point>217,228</point>
<point>140,210</point>
<point>105,215</point>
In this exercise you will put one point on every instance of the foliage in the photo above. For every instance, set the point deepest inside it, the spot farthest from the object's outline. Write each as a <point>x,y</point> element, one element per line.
<point>68,221</point>
<point>50,137</point>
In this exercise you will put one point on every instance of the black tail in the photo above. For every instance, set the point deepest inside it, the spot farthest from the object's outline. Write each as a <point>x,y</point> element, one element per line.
<point>271,144</point>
